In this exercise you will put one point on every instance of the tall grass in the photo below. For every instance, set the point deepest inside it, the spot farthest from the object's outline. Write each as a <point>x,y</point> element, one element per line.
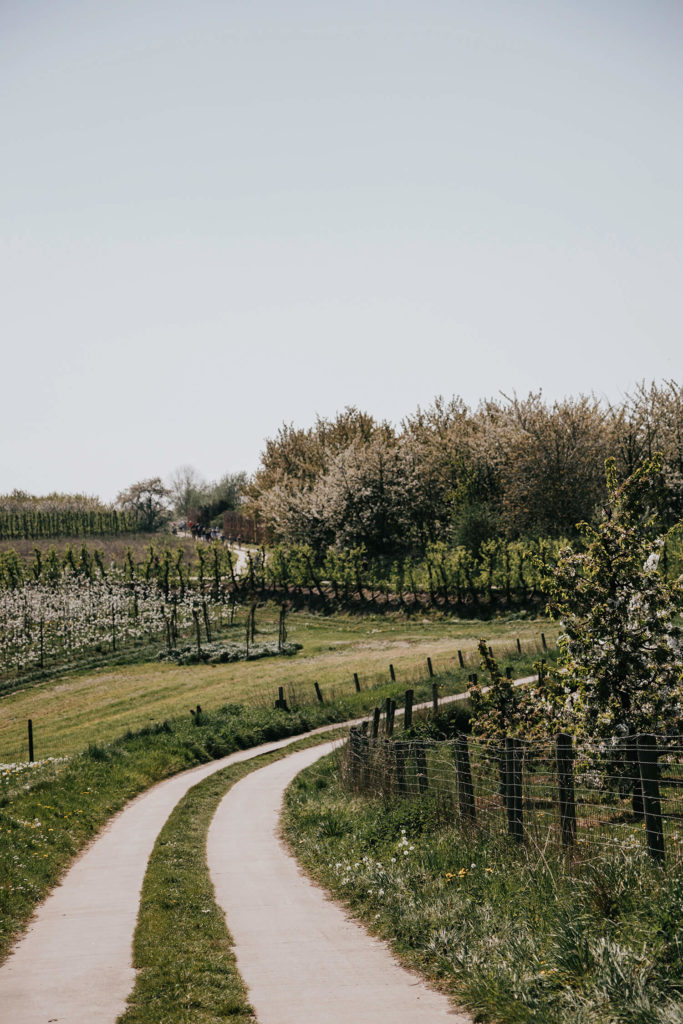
<point>515,935</point>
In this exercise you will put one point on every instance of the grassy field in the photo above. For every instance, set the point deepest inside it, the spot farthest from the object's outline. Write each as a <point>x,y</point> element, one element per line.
<point>74,710</point>
<point>113,547</point>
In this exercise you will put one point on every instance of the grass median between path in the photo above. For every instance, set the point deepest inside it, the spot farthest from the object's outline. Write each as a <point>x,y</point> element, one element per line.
<point>183,950</point>
<point>49,811</point>
<point>514,934</point>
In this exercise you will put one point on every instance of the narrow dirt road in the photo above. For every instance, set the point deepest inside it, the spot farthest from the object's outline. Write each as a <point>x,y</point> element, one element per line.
<point>303,960</point>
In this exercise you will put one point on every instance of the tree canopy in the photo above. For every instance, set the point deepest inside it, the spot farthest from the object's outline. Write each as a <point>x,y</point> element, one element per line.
<point>512,467</point>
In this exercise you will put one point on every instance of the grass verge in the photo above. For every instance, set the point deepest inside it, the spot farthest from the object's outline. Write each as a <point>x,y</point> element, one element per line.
<point>99,705</point>
<point>183,950</point>
<point>515,935</point>
<point>50,810</point>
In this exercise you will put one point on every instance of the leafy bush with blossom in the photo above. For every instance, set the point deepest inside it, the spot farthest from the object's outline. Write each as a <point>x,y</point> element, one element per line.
<point>621,653</point>
<point>620,666</point>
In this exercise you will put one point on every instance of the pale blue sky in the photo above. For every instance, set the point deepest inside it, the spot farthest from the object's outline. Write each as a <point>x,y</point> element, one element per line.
<point>216,216</point>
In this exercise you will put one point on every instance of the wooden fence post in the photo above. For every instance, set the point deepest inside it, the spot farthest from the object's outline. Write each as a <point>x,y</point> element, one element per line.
<point>435,697</point>
<point>508,672</point>
<point>464,780</point>
<point>461,659</point>
<point>408,713</point>
<point>421,766</point>
<point>281,703</point>
<point>375,722</point>
<point>356,682</point>
<point>318,692</point>
<point>429,667</point>
<point>389,717</point>
<point>649,777</point>
<point>513,787</point>
<point>519,646</point>
<point>30,741</point>
<point>392,673</point>
<point>545,646</point>
<point>564,754</point>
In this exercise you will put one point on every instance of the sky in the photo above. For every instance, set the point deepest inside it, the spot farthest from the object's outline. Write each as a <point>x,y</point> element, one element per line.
<point>219,216</point>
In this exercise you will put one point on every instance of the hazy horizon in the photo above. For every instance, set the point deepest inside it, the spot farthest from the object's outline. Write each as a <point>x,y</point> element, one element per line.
<point>219,218</point>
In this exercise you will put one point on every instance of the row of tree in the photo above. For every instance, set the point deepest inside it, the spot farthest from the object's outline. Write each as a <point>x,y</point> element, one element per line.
<point>509,468</point>
<point>145,506</point>
<point>34,524</point>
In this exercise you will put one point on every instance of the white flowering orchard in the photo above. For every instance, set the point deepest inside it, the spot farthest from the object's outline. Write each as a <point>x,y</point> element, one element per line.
<point>43,624</point>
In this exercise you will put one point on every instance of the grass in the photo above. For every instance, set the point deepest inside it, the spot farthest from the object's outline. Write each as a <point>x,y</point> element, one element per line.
<point>514,934</point>
<point>112,546</point>
<point>182,949</point>
<point>73,710</point>
<point>50,811</point>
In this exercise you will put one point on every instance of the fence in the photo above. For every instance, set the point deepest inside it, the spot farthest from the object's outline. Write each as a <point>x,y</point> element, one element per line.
<point>452,669</point>
<point>520,653</point>
<point>580,794</point>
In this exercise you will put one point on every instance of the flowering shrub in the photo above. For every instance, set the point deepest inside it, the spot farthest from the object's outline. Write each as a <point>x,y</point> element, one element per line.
<point>621,653</point>
<point>220,654</point>
<point>620,665</point>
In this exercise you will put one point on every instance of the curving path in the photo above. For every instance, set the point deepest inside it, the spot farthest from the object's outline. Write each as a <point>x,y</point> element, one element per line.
<point>74,963</point>
<point>303,960</point>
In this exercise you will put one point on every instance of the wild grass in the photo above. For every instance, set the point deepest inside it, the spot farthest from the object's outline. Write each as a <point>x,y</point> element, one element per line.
<point>514,934</point>
<point>95,706</point>
<point>49,811</point>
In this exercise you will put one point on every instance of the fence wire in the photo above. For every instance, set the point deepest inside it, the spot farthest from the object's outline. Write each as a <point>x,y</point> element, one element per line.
<point>580,794</point>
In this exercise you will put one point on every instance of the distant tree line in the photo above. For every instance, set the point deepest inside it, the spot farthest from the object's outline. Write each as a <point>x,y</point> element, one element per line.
<point>25,516</point>
<point>511,468</point>
<point>207,500</point>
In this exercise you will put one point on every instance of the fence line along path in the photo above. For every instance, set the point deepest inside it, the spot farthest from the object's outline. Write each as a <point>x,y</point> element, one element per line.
<point>303,960</point>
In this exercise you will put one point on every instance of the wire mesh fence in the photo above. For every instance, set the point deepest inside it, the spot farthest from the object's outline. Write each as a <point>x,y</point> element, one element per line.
<point>420,668</point>
<point>453,669</point>
<point>580,794</point>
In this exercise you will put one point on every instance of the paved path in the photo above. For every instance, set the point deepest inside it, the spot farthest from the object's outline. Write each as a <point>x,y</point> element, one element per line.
<point>303,960</point>
<point>74,964</point>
